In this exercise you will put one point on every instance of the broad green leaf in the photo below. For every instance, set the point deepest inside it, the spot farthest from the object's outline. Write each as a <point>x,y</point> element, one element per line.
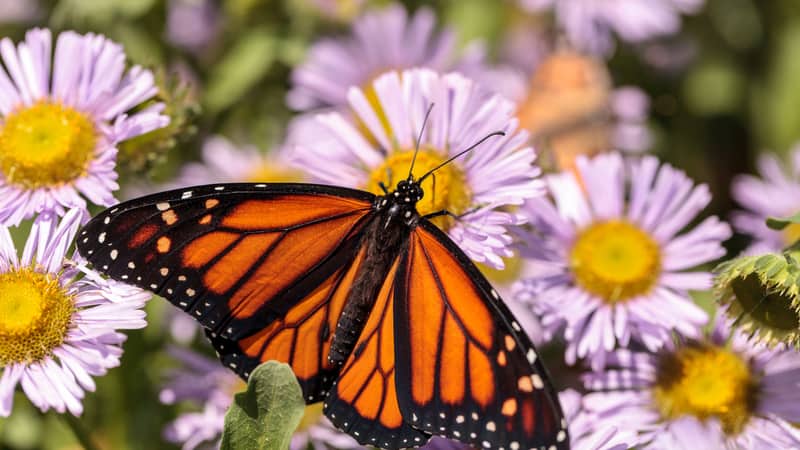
<point>243,66</point>
<point>778,224</point>
<point>266,415</point>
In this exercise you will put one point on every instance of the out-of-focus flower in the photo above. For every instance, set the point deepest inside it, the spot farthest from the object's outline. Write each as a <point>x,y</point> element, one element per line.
<point>775,194</point>
<point>205,383</point>
<point>60,126</point>
<point>762,294</point>
<point>222,162</point>
<point>616,259</point>
<point>192,24</point>
<point>721,392</point>
<point>58,320</point>
<point>589,24</point>
<point>336,10</point>
<point>504,282</point>
<point>19,11</point>
<point>379,149</point>
<point>571,109</point>
<point>381,40</point>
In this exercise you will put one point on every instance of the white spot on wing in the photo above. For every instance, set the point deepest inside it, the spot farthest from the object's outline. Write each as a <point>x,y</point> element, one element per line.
<point>537,381</point>
<point>163,206</point>
<point>113,254</point>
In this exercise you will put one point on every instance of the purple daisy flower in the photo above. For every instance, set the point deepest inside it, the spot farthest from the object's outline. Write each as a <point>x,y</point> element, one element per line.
<point>615,256</point>
<point>60,124</point>
<point>206,383</point>
<point>589,24</point>
<point>58,319</point>
<point>587,431</point>
<point>336,10</point>
<point>381,40</point>
<point>476,187</point>
<point>192,24</point>
<point>19,11</point>
<point>720,392</point>
<point>775,194</point>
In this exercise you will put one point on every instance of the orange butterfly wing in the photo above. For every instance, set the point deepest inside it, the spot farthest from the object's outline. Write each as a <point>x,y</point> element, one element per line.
<point>465,369</point>
<point>364,401</point>
<point>264,267</point>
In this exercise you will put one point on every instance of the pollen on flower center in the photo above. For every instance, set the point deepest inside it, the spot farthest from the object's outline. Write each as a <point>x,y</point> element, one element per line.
<point>791,234</point>
<point>46,144</point>
<point>446,190</point>
<point>35,314</point>
<point>704,382</point>
<point>615,260</point>
<point>311,416</point>
<point>511,272</point>
<point>269,173</point>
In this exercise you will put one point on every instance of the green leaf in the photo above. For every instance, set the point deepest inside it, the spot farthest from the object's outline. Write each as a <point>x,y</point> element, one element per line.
<point>779,224</point>
<point>266,415</point>
<point>243,66</point>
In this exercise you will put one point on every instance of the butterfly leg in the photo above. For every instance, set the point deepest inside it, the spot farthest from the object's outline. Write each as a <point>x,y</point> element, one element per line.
<point>383,187</point>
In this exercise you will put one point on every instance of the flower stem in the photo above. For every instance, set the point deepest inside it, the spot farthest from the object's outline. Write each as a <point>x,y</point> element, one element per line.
<point>80,432</point>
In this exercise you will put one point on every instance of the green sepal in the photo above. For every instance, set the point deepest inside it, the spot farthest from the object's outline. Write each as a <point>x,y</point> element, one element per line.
<point>778,224</point>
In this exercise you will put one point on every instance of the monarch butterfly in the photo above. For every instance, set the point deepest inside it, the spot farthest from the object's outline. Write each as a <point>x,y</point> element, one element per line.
<point>380,315</point>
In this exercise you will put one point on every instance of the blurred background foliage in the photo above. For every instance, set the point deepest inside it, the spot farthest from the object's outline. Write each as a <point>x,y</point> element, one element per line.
<point>723,89</point>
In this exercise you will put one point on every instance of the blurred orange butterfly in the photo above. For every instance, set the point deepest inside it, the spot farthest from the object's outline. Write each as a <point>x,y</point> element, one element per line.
<point>380,315</point>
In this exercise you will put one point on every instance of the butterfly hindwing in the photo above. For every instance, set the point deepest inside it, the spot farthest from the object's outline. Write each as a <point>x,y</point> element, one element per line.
<point>465,369</point>
<point>301,338</point>
<point>265,268</point>
<point>364,401</point>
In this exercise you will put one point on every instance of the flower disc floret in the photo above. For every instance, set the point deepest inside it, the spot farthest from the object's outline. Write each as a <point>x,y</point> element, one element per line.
<point>35,314</point>
<point>46,144</point>
<point>705,381</point>
<point>615,260</point>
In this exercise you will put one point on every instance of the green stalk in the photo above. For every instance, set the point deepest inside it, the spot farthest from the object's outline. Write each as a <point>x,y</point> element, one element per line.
<point>80,432</point>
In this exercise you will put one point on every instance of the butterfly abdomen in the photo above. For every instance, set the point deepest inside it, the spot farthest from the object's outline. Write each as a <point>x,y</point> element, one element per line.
<point>382,243</point>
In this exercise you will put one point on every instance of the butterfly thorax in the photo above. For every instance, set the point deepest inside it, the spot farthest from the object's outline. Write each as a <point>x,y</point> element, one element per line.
<point>385,236</point>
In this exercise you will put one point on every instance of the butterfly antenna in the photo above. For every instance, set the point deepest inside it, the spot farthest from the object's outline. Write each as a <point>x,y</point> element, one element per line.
<point>419,139</point>
<point>496,133</point>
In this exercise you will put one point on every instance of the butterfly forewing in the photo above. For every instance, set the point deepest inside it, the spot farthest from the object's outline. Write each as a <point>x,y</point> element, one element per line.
<point>465,368</point>
<point>265,268</point>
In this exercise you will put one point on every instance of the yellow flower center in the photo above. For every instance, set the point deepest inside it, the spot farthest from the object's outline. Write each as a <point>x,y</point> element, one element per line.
<point>509,274</point>
<point>46,144</point>
<point>615,260</point>
<point>444,190</point>
<point>311,416</point>
<point>273,173</point>
<point>791,234</point>
<point>35,314</point>
<point>705,382</point>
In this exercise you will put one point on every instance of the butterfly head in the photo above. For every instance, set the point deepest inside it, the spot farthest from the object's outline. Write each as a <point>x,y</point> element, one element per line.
<point>408,192</point>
